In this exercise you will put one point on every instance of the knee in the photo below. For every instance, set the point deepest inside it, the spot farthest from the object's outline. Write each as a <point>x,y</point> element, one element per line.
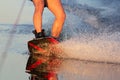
<point>61,16</point>
<point>38,6</point>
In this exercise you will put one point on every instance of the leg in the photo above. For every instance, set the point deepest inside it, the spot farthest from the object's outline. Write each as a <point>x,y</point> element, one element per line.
<point>56,8</point>
<point>37,17</point>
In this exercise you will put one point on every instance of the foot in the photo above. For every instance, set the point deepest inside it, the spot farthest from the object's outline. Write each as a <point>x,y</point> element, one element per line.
<point>40,34</point>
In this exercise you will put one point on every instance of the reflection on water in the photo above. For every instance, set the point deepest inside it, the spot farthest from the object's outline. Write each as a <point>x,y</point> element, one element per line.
<point>14,69</point>
<point>77,70</point>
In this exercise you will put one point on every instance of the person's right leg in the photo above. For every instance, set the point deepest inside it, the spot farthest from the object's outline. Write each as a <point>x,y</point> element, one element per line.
<point>37,17</point>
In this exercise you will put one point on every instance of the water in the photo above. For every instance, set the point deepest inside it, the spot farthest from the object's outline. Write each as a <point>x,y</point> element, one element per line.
<point>91,32</point>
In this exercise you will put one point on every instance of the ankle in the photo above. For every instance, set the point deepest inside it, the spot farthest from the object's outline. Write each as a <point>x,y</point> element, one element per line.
<point>39,34</point>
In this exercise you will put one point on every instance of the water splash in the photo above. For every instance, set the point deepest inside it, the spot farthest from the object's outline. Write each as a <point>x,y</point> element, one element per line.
<point>89,33</point>
<point>104,47</point>
<point>99,48</point>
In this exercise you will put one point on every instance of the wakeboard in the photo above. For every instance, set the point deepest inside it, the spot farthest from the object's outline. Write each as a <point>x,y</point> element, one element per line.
<point>43,61</point>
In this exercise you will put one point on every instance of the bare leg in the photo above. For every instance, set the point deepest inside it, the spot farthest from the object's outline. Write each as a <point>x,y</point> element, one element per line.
<point>56,8</point>
<point>37,17</point>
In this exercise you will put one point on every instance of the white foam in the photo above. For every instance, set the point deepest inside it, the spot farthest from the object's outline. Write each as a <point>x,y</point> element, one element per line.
<point>101,48</point>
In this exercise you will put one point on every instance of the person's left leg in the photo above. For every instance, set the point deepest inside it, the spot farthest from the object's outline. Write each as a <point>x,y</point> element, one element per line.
<point>55,6</point>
